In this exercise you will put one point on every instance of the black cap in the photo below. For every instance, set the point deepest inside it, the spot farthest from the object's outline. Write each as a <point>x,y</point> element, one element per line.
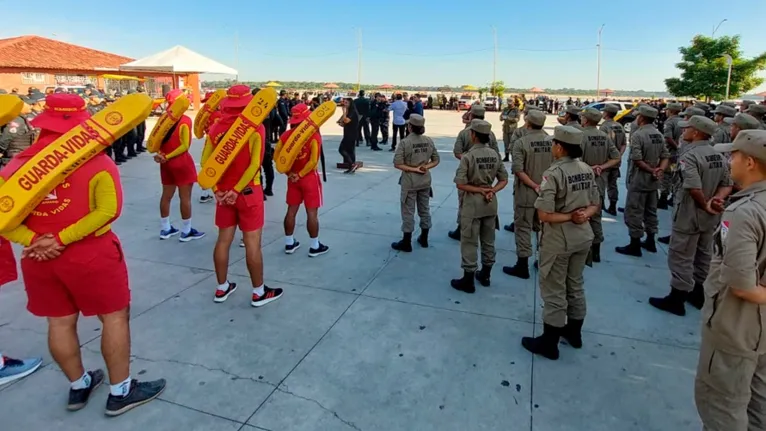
<point>283,92</point>
<point>361,93</point>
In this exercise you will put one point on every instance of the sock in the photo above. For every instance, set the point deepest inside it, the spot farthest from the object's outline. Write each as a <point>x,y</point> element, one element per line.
<point>315,243</point>
<point>185,226</point>
<point>2,361</point>
<point>223,287</point>
<point>120,389</point>
<point>259,290</point>
<point>165,223</point>
<point>81,383</point>
<point>289,240</point>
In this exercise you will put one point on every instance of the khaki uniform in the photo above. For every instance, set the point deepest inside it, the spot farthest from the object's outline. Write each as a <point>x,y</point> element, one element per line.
<point>480,167</point>
<point>616,133</point>
<point>519,133</point>
<point>722,134</point>
<point>531,155</point>
<point>730,388</point>
<point>673,131</point>
<point>597,150</point>
<point>567,185</point>
<point>462,145</point>
<point>647,144</point>
<point>574,124</point>
<point>415,150</point>
<point>510,123</point>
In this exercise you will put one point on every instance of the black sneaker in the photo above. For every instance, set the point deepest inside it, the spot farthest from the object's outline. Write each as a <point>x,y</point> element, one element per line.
<point>78,398</point>
<point>290,249</point>
<point>268,192</point>
<point>314,252</point>
<point>140,393</point>
<point>223,295</point>
<point>205,199</point>
<point>269,295</point>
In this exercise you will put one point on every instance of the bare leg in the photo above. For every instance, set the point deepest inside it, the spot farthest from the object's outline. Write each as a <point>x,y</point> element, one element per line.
<point>253,256</point>
<point>289,222</point>
<point>64,345</point>
<point>115,344</point>
<point>185,192</point>
<point>167,195</point>
<point>312,224</point>
<point>221,253</point>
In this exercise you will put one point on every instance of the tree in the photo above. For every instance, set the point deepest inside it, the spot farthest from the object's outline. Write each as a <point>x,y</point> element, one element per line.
<point>497,88</point>
<point>704,69</point>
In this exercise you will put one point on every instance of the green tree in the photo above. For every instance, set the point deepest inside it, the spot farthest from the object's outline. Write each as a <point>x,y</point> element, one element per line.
<point>497,88</point>
<point>704,69</point>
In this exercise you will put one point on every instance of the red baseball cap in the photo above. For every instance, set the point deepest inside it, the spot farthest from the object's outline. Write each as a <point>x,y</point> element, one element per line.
<point>62,112</point>
<point>173,95</point>
<point>299,113</point>
<point>238,96</point>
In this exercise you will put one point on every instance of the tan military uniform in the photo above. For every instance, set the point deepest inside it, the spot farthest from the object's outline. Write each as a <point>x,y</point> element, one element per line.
<point>574,124</point>
<point>415,150</point>
<point>673,131</point>
<point>647,144</point>
<point>462,145</point>
<point>510,117</point>
<point>531,155</point>
<point>722,134</point>
<point>597,150</point>
<point>616,133</point>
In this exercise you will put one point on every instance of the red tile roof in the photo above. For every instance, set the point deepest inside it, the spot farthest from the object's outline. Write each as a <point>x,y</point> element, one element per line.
<point>35,52</point>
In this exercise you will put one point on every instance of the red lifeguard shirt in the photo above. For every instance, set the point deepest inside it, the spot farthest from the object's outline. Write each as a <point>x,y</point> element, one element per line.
<point>244,164</point>
<point>308,156</point>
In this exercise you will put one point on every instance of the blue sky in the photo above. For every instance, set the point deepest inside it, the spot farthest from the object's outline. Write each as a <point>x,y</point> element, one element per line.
<point>546,43</point>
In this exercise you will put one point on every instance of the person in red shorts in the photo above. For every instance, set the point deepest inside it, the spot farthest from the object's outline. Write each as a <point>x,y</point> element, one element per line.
<point>239,199</point>
<point>303,185</point>
<point>177,171</point>
<point>74,264</point>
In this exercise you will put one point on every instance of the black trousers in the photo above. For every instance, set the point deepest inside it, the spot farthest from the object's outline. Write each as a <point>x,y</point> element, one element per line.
<point>364,126</point>
<point>141,135</point>
<point>268,166</point>
<point>401,131</point>
<point>282,128</point>
<point>379,126</point>
<point>347,149</point>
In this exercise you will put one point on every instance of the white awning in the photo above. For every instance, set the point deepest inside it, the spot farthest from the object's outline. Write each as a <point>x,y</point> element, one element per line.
<point>178,60</point>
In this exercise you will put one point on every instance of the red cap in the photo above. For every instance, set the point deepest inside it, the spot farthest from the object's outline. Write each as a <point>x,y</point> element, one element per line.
<point>238,96</point>
<point>299,113</point>
<point>62,113</point>
<point>173,95</point>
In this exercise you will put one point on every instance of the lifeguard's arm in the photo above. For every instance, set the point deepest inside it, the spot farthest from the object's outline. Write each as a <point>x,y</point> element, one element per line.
<point>104,207</point>
<point>21,234</point>
<point>185,136</point>
<point>313,159</point>
<point>207,150</point>
<point>255,163</point>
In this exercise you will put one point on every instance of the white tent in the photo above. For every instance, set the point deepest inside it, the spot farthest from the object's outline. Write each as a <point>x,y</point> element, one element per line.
<point>178,59</point>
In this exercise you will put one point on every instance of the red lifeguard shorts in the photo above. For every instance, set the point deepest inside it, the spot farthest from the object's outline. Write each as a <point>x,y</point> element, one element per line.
<point>8,272</point>
<point>246,213</point>
<point>179,171</point>
<point>307,191</point>
<point>90,277</point>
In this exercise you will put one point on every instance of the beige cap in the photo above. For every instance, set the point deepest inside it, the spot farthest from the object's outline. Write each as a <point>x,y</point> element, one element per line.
<point>568,135</point>
<point>726,111</point>
<point>704,106</point>
<point>750,142</point>
<point>417,120</point>
<point>729,104</point>
<point>756,109</point>
<point>743,121</point>
<point>675,107</point>
<point>536,117</point>
<point>692,111</point>
<point>747,102</point>
<point>701,123</point>
<point>572,109</point>
<point>611,108</point>
<point>592,114</point>
<point>481,126</point>
<point>647,111</point>
<point>529,107</point>
<point>478,110</point>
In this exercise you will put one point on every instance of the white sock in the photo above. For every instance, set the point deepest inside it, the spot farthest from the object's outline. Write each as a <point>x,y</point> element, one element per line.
<point>81,383</point>
<point>315,243</point>
<point>259,290</point>
<point>185,226</point>
<point>165,223</point>
<point>120,389</point>
<point>289,240</point>
<point>223,287</point>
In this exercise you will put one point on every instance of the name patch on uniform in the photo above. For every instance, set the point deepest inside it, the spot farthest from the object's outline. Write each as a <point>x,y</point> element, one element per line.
<point>487,163</point>
<point>597,141</point>
<point>657,139</point>
<point>580,181</point>
<point>420,147</point>
<point>715,161</point>
<point>541,146</point>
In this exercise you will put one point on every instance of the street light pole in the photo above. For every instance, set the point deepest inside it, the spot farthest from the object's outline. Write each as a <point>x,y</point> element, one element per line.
<point>598,63</point>
<point>494,60</point>
<point>730,62</point>
<point>359,61</point>
<point>715,29</point>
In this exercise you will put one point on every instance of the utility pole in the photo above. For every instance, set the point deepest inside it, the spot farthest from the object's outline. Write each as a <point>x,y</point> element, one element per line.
<point>715,29</point>
<point>236,56</point>
<point>730,62</point>
<point>598,63</point>
<point>494,61</point>
<point>359,63</point>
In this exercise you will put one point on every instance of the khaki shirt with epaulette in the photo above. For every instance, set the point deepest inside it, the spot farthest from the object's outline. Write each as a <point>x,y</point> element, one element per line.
<point>415,150</point>
<point>739,261</point>
<point>574,124</point>
<point>511,119</point>
<point>519,133</point>
<point>673,131</point>
<point>647,144</point>
<point>700,167</point>
<point>567,185</point>
<point>722,134</point>
<point>463,142</point>
<point>597,147</point>
<point>531,155</point>
<point>480,167</point>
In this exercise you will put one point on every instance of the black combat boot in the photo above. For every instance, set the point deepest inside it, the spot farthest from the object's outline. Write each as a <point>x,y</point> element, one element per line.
<point>405,244</point>
<point>649,244</point>
<point>483,275</point>
<point>572,332</point>
<point>664,239</point>
<point>595,253</point>
<point>423,238</point>
<point>612,210</point>
<point>632,249</point>
<point>696,298</point>
<point>546,345</point>
<point>510,227</point>
<point>464,284</point>
<point>673,303</point>
<point>521,269</point>
<point>507,158</point>
<point>455,234</point>
<point>662,204</point>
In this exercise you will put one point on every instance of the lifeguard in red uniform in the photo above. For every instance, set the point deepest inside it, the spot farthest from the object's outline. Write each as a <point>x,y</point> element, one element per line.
<point>239,201</point>
<point>74,264</point>
<point>177,171</point>
<point>215,116</point>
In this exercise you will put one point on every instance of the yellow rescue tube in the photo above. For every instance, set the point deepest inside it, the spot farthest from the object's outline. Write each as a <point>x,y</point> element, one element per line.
<point>33,181</point>
<point>294,144</point>
<point>237,137</point>
<point>203,116</point>
<point>10,108</point>
<point>166,122</point>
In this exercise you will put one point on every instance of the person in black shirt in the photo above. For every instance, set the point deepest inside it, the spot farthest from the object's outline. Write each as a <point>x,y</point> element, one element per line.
<point>283,109</point>
<point>378,117</point>
<point>362,105</point>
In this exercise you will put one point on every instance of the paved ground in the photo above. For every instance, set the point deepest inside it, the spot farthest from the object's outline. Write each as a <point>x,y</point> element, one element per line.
<point>366,338</point>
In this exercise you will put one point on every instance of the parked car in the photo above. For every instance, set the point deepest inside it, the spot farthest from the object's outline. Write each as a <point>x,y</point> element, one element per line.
<point>465,101</point>
<point>490,103</point>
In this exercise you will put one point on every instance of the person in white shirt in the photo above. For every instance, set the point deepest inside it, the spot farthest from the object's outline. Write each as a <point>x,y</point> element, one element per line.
<point>398,108</point>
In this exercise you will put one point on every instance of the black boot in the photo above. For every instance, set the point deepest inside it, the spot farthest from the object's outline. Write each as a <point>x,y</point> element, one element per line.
<point>662,204</point>
<point>423,238</point>
<point>483,275</point>
<point>375,147</point>
<point>507,158</point>
<point>464,284</point>
<point>612,210</point>
<point>696,298</point>
<point>521,269</point>
<point>649,244</point>
<point>405,244</point>
<point>595,252</point>
<point>546,345</point>
<point>455,234</point>
<point>572,332</point>
<point>510,227</point>
<point>664,239</point>
<point>632,249</point>
<point>622,210</point>
<point>673,303</point>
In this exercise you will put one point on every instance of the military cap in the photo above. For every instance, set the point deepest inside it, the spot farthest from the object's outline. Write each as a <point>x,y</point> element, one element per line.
<point>418,120</point>
<point>743,121</point>
<point>572,109</point>
<point>611,108</point>
<point>536,117</point>
<point>675,107</point>
<point>750,142</point>
<point>690,111</point>
<point>478,110</point>
<point>756,109</point>
<point>567,135</point>
<point>701,123</point>
<point>529,108</point>
<point>481,126</point>
<point>647,111</point>
<point>591,114</point>
<point>748,102</point>
<point>729,104</point>
<point>704,106</point>
<point>726,111</point>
